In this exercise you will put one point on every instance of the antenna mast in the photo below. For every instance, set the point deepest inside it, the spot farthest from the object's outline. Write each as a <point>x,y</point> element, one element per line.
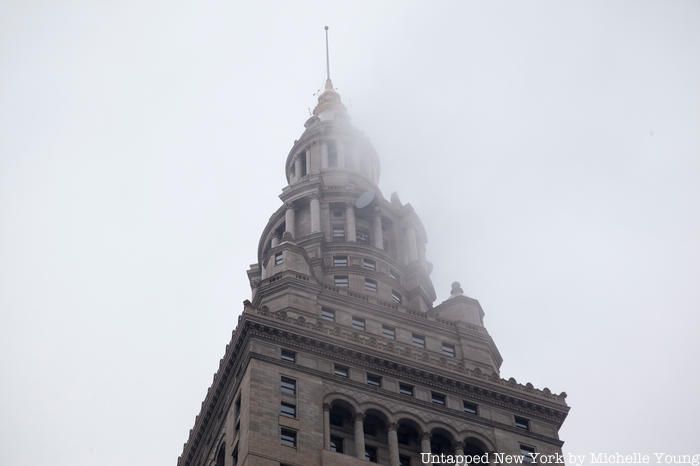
<point>329,85</point>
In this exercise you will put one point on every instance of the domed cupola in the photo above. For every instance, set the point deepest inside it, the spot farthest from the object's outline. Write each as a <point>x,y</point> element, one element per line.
<point>335,231</point>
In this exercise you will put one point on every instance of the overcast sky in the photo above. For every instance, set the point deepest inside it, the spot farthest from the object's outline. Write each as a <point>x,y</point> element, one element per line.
<point>552,150</point>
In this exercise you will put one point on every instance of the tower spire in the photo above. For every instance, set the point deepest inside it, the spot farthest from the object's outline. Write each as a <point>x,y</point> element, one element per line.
<point>329,84</point>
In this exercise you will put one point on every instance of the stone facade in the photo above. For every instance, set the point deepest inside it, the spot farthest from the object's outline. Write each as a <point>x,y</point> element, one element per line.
<point>341,357</point>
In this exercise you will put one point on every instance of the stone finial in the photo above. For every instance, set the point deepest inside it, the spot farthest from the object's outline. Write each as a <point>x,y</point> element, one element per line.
<point>456,289</point>
<point>287,236</point>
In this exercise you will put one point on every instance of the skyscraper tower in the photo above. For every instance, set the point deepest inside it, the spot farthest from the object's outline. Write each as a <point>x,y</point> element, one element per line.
<point>340,357</point>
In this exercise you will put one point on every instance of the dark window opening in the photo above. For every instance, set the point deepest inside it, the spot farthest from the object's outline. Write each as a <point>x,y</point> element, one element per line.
<point>288,386</point>
<point>340,371</point>
<point>406,389</point>
<point>341,281</point>
<point>438,398</point>
<point>288,410</point>
<point>528,453</point>
<point>337,444</point>
<point>471,408</point>
<point>448,350</point>
<point>389,332</point>
<point>358,323</point>
<point>288,437</point>
<point>288,355</point>
<point>371,454</point>
<point>522,423</point>
<point>419,340</point>
<point>327,314</point>
<point>374,380</point>
<point>362,236</point>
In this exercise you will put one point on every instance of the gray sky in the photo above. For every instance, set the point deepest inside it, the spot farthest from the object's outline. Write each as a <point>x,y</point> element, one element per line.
<point>552,150</point>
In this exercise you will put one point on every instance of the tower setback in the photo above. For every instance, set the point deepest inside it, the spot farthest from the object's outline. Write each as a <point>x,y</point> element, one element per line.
<point>340,357</point>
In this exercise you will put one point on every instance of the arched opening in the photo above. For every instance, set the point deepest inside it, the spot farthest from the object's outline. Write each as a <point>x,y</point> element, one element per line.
<point>375,426</point>
<point>409,437</point>
<point>473,447</point>
<point>441,442</point>
<point>341,423</point>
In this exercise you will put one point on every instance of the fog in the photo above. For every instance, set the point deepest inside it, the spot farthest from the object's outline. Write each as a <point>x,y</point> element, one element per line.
<point>551,150</point>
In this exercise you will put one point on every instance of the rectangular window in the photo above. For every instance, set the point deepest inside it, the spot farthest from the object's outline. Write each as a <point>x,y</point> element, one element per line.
<point>370,285</point>
<point>405,389</point>
<point>341,281</point>
<point>235,456</point>
<point>340,371</point>
<point>358,323</point>
<point>279,259</point>
<point>374,380</point>
<point>396,296</point>
<point>448,350</point>
<point>337,444</point>
<point>288,386</point>
<point>522,423</point>
<point>238,407</point>
<point>362,236</point>
<point>471,408</point>
<point>438,398</point>
<point>371,454</point>
<point>419,340</point>
<point>288,437</point>
<point>389,332</point>
<point>289,356</point>
<point>327,314</point>
<point>338,233</point>
<point>528,453</point>
<point>394,274</point>
<point>369,264</point>
<point>288,410</point>
<point>340,261</point>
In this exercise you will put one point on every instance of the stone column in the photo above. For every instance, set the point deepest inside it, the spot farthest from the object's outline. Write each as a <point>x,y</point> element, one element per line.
<point>315,214</point>
<point>350,228</point>
<point>359,436</point>
<point>297,169</point>
<point>326,426</point>
<point>308,161</point>
<point>459,451</point>
<point>393,445</point>
<point>289,220</point>
<point>378,231</point>
<point>425,446</point>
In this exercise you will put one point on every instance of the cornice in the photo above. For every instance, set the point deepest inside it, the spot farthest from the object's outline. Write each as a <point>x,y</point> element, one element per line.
<point>539,400</point>
<point>474,384</point>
